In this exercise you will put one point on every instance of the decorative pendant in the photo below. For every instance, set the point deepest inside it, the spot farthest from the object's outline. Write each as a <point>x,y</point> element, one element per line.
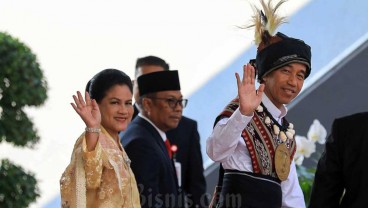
<point>289,135</point>
<point>259,109</point>
<point>276,129</point>
<point>282,155</point>
<point>267,120</point>
<point>282,136</point>
<point>291,126</point>
<point>282,162</point>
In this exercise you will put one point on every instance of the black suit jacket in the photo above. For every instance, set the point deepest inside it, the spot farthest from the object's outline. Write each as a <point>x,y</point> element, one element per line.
<point>186,137</point>
<point>151,165</point>
<point>343,165</point>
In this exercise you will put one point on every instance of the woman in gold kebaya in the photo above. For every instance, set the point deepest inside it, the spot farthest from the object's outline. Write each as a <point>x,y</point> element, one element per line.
<point>99,173</point>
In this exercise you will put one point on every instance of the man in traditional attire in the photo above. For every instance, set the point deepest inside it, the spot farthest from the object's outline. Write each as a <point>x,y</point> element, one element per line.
<point>251,138</point>
<point>145,140</point>
<point>341,178</point>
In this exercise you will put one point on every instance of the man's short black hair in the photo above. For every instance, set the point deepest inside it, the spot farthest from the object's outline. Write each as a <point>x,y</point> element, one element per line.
<point>151,60</point>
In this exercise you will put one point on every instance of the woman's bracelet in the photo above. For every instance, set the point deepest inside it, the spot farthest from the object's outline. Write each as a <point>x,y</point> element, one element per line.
<point>92,130</point>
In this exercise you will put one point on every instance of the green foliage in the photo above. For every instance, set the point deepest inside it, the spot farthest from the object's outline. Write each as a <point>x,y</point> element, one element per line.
<point>17,188</point>
<point>21,84</point>
<point>306,178</point>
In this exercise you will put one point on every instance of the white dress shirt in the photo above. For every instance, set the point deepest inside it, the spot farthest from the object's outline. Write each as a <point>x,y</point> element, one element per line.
<point>226,145</point>
<point>162,133</point>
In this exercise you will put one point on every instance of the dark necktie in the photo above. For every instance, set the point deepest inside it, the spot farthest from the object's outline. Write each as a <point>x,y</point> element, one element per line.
<point>168,147</point>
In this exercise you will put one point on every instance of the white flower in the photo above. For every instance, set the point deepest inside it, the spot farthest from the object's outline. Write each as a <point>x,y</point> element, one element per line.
<point>298,159</point>
<point>259,109</point>
<point>317,132</point>
<point>267,120</point>
<point>304,146</point>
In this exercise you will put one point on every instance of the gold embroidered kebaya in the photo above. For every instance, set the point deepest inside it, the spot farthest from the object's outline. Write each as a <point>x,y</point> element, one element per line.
<point>100,178</point>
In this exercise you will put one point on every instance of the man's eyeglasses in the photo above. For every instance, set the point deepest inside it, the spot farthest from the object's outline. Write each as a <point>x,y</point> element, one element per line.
<point>172,102</point>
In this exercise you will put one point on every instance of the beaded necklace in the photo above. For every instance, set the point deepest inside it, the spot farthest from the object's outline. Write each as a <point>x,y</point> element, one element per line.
<point>284,131</point>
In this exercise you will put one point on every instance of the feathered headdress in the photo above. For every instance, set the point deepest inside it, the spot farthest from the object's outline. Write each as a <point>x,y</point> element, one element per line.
<point>266,22</point>
<point>275,51</point>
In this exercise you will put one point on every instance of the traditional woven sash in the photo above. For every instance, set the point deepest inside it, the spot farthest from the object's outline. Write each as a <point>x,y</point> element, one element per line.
<point>260,140</point>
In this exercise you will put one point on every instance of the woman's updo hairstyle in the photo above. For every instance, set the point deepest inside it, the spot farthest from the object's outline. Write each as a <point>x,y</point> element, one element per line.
<point>104,80</point>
